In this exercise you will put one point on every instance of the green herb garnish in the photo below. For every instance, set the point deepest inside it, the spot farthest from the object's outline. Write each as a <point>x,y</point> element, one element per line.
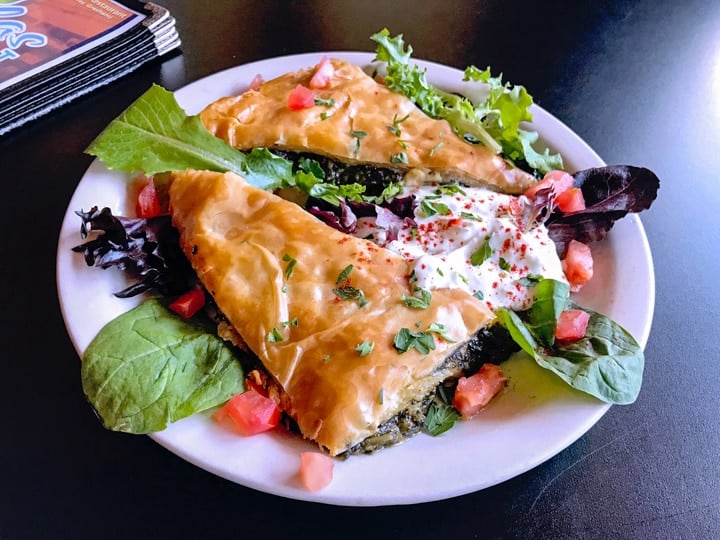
<point>405,340</point>
<point>471,217</point>
<point>365,347</point>
<point>326,102</point>
<point>394,129</point>
<point>351,293</point>
<point>275,336</point>
<point>290,266</point>
<point>417,302</point>
<point>400,157</point>
<point>482,253</point>
<point>440,418</point>
<point>441,330</point>
<point>357,134</point>
<point>432,208</point>
<point>343,276</point>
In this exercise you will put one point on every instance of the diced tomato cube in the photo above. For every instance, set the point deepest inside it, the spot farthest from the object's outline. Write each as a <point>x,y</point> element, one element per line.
<point>250,412</point>
<point>578,264</point>
<point>475,392</point>
<point>316,470</point>
<point>323,74</point>
<point>147,204</point>
<point>572,325</point>
<point>301,97</point>
<point>189,303</point>
<point>571,200</point>
<point>560,181</point>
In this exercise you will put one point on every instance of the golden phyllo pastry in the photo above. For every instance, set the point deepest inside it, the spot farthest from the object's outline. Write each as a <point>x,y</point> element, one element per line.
<point>319,308</point>
<point>358,120</point>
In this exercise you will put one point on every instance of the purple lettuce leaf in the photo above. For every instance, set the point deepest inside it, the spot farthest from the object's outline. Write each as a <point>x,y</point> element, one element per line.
<point>610,194</point>
<point>147,250</point>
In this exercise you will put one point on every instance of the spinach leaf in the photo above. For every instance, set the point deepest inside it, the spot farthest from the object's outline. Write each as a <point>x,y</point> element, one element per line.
<point>551,297</point>
<point>607,363</point>
<point>149,367</point>
<point>519,332</point>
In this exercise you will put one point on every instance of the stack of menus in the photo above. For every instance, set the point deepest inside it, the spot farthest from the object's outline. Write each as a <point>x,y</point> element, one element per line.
<point>53,51</point>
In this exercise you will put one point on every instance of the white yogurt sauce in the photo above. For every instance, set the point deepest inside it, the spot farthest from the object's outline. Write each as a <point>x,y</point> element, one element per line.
<point>474,239</point>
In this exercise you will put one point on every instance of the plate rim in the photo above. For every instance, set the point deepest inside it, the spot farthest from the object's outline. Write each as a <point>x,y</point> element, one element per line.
<point>185,96</point>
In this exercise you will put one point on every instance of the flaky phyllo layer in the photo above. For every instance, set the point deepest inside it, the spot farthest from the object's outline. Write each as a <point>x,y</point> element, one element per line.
<point>358,120</point>
<point>310,301</point>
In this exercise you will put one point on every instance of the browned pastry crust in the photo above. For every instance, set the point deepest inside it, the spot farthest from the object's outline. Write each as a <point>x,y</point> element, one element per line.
<point>262,118</point>
<point>241,241</point>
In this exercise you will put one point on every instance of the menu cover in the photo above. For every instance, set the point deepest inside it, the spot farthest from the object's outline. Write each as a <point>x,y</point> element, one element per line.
<point>53,51</point>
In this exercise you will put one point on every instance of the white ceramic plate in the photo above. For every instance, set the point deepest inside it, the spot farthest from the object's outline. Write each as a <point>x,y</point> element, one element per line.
<point>537,417</point>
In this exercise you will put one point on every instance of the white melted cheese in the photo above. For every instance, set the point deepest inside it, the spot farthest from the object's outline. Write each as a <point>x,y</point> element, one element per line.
<point>447,248</point>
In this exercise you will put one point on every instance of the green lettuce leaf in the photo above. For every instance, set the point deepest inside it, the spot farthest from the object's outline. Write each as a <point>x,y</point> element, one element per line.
<point>494,122</point>
<point>155,135</point>
<point>149,367</point>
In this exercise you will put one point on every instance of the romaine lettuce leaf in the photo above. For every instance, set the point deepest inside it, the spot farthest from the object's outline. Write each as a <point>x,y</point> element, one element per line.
<point>155,135</point>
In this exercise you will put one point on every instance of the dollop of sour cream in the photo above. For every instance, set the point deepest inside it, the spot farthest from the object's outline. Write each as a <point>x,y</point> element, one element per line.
<point>474,239</point>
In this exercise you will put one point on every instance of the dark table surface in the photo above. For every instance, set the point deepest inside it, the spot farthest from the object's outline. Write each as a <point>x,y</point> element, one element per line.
<point>638,80</point>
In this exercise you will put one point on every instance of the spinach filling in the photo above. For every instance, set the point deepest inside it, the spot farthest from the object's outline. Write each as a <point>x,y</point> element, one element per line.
<point>492,344</point>
<point>374,177</point>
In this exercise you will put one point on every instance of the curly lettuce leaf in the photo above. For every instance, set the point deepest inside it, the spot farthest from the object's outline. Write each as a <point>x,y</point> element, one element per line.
<point>494,122</point>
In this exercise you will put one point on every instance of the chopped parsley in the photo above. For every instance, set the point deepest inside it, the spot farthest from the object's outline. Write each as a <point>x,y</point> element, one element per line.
<point>290,266</point>
<point>326,102</point>
<point>450,189</point>
<point>400,157</point>
<point>291,322</point>
<point>348,292</point>
<point>343,276</point>
<point>441,330</point>
<point>433,208</point>
<point>405,340</point>
<point>275,336</point>
<point>503,264</point>
<point>357,134</point>
<point>381,396</point>
<point>440,417</point>
<point>417,302</point>
<point>482,253</point>
<point>470,216</point>
<point>394,128</point>
<point>365,347</point>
